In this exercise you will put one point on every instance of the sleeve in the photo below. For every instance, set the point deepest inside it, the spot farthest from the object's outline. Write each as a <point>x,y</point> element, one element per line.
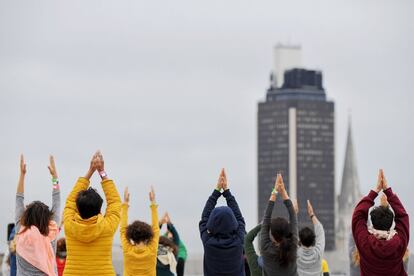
<point>176,236</point>
<point>19,210</point>
<point>113,204</point>
<point>232,203</point>
<point>251,254</point>
<point>70,208</point>
<point>208,208</point>
<point>265,241</point>
<point>126,246</point>
<point>293,219</point>
<point>56,205</point>
<point>360,217</point>
<point>319,239</point>
<point>153,245</point>
<point>402,224</point>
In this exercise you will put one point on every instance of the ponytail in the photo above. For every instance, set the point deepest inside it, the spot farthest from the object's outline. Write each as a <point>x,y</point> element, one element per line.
<point>287,252</point>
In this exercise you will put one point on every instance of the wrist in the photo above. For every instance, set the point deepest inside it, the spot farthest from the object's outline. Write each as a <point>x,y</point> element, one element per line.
<point>103,174</point>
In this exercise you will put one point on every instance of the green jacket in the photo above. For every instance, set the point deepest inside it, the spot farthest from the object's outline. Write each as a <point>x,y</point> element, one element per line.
<point>255,269</point>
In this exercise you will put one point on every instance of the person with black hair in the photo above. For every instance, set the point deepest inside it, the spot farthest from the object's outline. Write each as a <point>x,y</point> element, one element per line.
<point>139,240</point>
<point>311,247</point>
<point>89,234</point>
<point>354,258</point>
<point>222,231</point>
<point>381,249</point>
<point>37,228</point>
<point>279,247</point>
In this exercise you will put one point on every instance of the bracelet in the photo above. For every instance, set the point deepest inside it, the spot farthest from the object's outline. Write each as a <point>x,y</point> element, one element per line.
<point>274,192</point>
<point>55,181</point>
<point>103,174</point>
<point>56,187</point>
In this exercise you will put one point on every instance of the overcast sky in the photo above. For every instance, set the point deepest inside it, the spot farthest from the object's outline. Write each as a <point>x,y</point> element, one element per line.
<point>168,90</point>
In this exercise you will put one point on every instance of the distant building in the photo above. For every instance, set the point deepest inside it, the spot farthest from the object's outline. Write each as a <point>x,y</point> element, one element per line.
<point>296,137</point>
<point>285,57</point>
<point>350,194</point>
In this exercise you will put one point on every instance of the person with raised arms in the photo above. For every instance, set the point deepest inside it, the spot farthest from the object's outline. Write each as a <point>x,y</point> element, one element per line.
<point>139,240</point>
<point>90,234</point>
<point>381,249</point>
<point>222,231</point>
<point>278,237</point>
<point>37,228</point>
<point>311,246</point>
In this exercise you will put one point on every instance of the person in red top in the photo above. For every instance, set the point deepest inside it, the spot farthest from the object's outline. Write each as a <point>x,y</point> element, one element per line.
<point>61,255</point>
<point>381,248</point>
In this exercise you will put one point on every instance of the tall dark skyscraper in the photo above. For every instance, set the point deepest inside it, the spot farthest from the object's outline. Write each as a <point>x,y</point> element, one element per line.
<point>296,137</point>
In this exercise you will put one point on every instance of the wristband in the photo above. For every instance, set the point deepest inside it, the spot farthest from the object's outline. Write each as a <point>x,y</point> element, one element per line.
<point>102,174</point>
<point>56,187</point>
<point>55,181</point>
<point>274,192</point>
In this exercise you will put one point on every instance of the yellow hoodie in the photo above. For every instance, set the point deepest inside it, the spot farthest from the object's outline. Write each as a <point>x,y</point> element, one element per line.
<point>140,260</point>
<point>89,241</point>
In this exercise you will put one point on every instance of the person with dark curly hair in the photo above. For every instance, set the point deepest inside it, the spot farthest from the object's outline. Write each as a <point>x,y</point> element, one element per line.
<point>37,229</point>
<point>139,240</point>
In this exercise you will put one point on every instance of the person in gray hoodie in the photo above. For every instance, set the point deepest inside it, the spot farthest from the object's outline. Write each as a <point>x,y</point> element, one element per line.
<point>311,247</point>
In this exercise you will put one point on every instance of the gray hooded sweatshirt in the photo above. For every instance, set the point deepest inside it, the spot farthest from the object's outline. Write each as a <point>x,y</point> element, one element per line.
<point>309,259</point>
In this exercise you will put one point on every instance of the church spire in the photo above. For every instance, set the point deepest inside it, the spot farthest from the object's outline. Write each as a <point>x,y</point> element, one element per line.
<point>350,193</point>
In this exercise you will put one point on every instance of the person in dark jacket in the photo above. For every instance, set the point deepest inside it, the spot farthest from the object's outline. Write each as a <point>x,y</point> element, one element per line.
<point>278,237</point>
<point>222,231</point>
<point>381,248</point>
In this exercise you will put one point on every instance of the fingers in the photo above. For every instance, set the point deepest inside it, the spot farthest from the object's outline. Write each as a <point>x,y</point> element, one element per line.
<point>52,161</point>
<point>21,159</point>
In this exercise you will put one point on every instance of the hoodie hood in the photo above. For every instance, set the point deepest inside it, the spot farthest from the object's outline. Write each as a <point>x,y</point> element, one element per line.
<point>222,221</point>
<point>86,230</point>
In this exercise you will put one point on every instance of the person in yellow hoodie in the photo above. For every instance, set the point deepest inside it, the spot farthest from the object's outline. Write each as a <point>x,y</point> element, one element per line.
<point>89,234</point>
<point>140,240</point>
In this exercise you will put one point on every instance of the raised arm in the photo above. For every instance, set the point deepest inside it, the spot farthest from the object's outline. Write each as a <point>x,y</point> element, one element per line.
<point>82,183</point>
<point>232,203</point>
<point>360,215</point>
<point>126,246</point>
<point>154,222</point>
<point>251,254</point>
<point>19,209</point>
<point>265,242</point>
<point>402,224</point>
<point>293,219</point>
<point>173,230</point>
<point>113,200</point>
<point>55,192</point>
<point>319,231</point>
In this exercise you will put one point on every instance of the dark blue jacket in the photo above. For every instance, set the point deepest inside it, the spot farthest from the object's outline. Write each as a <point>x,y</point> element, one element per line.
<point>222,231</point>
